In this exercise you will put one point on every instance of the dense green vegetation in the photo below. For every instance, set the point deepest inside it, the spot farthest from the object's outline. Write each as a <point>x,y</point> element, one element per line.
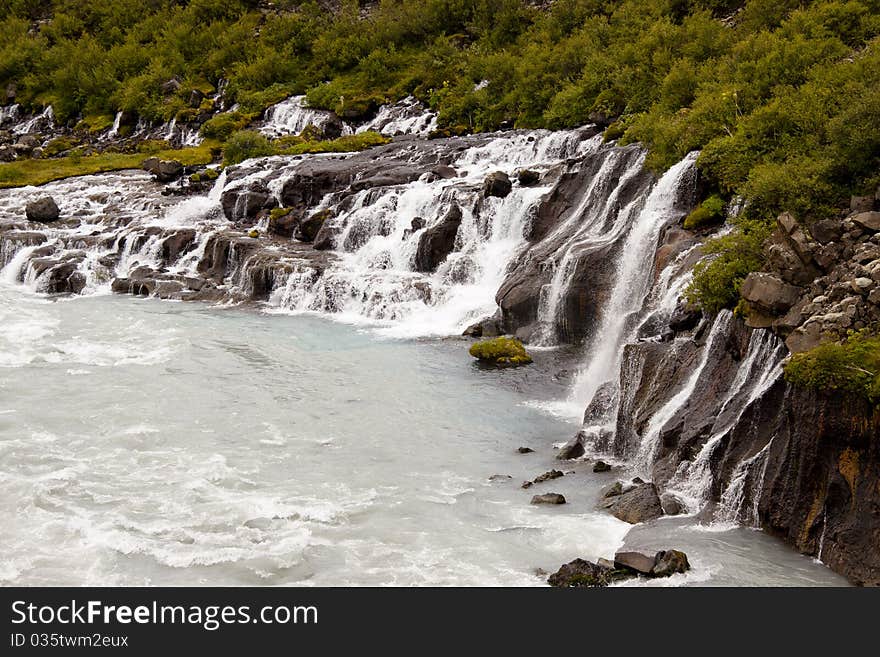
<point>781,96</point>
<point>851,366</point>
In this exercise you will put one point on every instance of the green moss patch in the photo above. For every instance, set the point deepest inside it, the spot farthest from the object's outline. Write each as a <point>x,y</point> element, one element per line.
<point>851,366</point>
<point>501,351</point>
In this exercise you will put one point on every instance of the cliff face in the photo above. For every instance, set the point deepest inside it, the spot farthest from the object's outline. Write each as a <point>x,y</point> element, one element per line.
<point>748,447</point>
<point>821,489</point>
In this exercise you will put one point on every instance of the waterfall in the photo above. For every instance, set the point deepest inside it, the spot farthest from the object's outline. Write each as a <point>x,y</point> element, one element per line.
<point>47,117</point>
<point>758,371</point>
<point>632,279</point>
<point>114,130</point>
<point>292,116</point>
<point>739,501</point>
<point>407,117</point>
<point>8,114</point>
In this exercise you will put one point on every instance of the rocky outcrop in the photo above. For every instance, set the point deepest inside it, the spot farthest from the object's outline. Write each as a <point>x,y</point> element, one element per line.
<point>438,241</point>
<point>497,184</point>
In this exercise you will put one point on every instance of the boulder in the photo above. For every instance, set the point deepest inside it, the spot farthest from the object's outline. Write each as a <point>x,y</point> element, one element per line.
<point>636,561</point>
<point>573,449</point>
<point>497,184</point>
<point>437,242</point>
<point>489,327</point>
<point>527,177</point>
<point>548,498</point>
<point>826,230</point>
<point>601,466</point>
<point>283,222</point>
<point>308,229</point>
<point>769,292</point>
<point>670,562</point>
<point>685,317</point>
<point>613,490</point>
<point>867,221</point>
<point>670,504</point>
<point>579,573</point>
<point>44,210</point>
<point>639,504</point>
<point>501,351</point>
<point>861,203</point>
<point>524,450</point>
<point>242,204</point>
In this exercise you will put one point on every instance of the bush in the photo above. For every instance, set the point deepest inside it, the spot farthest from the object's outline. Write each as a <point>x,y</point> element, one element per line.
<point>709,212</point>
<point>718,277</point>
<point>851,366</point>
<point>224,125</point>
<point>244,145</point>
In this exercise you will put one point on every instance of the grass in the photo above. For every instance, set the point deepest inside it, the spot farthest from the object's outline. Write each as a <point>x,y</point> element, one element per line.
<point>39,172</point>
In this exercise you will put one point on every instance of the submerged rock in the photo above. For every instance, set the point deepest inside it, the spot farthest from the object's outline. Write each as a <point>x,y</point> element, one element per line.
<point>548,498</point>
<point>548,476</point>
<point>501,351</point>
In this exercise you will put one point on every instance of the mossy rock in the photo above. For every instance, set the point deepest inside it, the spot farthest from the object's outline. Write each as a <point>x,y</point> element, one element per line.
<point>502,351</point>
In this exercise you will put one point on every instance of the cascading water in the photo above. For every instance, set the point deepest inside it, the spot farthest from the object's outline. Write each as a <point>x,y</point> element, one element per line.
<point>292,116</point>
<point>8,114</point>
<point>632,284</point>
<point>43,120</point>
<point>407,117</point>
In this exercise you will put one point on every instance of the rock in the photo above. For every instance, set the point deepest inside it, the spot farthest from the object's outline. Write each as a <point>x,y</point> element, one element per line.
<point>176,244</point>
<point>867,221</point>
<point>861,203</point>
<point>579,573</point>
<point>547,476</point>
<point>640,504</point>
<point>636,561</point>
<point>524,450</point>
<point>437,242</point>
<point>769,293</point>
<point>242,204</point>
<point>548,498</point>
<point>862,285</point>
<point>670,562</point>
<point>638,480</point>
<point>601,466</point>
<point>527,484</point>
<point>573,449</point>
<point>500,352</point>
<point>164,170</point>
<point>500,477</point>
<point>414,226</point>
<point>253,233</point>
<point>527,177</point>
<point>169,87</point>
<point>283,222</point>
<point>670,504</point>
<point>613,490</point>
<point>44,210</point>
<point>497,184</point>
<point>7,153</point>
<point>685,317</point>
<point>486,328</point>
<point>308,230</point>
<point>604,563</point>
<point>826,230</point>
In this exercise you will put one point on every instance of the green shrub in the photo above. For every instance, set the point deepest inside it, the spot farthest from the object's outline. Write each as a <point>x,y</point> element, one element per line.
<point>851,366</point>
<point>709,212</point>
<point>501,351</point>
<point>246,144</point>
<point>718,277</point>
<point>224,125</point>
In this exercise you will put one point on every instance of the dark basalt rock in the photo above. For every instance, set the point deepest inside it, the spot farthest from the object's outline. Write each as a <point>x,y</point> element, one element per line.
<point>243,204</point>
<point>524,450</point>
<point>548,476</point>
<point>285,224</point>
<point>176,244</point>
<point>579,573</point>
<point>497,184</point>
<point>437,242</point>
<point>573,449</point>
<point>43,210</point>
<point>527,177</point>
<point>308,229</point>
<point>548,498</point>
<point>601,466</point>
<point>670,562</point>
<point>635,561</point>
